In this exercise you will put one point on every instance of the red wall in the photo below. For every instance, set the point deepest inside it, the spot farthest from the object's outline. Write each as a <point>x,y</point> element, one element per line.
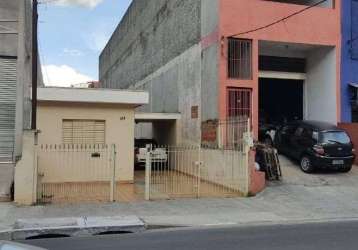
<point>257,178</point>
<point>352,130</point>
<point>319,26</point>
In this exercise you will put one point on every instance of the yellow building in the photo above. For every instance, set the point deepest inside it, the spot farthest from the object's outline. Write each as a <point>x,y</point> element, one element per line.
<point>68,116</point>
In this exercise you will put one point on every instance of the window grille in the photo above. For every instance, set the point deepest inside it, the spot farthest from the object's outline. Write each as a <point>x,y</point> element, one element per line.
<point>239,58</point>
<point>239,103</point>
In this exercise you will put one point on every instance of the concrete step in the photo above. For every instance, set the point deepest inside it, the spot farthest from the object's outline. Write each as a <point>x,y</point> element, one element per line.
<point>73,227</point>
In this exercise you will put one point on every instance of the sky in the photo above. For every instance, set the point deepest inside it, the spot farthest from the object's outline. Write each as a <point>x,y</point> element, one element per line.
<point>72,34</point>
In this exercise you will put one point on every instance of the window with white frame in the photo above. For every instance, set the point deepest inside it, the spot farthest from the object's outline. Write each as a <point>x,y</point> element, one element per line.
<point>83,131</point>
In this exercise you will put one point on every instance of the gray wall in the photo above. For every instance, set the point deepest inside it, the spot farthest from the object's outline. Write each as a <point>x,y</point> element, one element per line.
<point>209,16</point>
<point>210,66</point>
<point>157,47</point>
<point>19,45</point>
<point>210,84</point>
<point>148,37</point>
<point>167,138</point>
<point>175,88</point>
<point>24,69</point>
<point>9,9</point>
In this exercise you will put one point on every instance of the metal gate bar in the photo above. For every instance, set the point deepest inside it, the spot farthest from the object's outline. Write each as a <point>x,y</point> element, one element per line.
<point>76,172</point>
<point>187,171</point>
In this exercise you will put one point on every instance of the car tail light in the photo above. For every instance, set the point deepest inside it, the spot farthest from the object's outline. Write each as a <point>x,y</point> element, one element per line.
<point>353,150</point>
<point>319,149</point>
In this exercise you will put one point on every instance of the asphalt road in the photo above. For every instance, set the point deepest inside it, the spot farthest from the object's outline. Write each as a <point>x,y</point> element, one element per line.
<point>316,236</point>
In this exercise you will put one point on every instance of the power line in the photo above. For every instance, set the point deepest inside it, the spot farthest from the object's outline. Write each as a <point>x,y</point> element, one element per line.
<point>280,20</point>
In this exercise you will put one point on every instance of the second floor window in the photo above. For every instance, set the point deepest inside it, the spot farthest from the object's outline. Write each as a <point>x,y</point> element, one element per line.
<point>239,58</point>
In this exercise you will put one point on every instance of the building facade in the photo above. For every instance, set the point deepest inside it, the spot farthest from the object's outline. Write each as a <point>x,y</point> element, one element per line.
<point>15,84</point>
<point>349,69</point>
<point>212,60</point>
<point>91,136</point>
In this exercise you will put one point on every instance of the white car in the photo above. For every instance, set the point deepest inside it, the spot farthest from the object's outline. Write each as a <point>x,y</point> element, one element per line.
<point>159,155</point>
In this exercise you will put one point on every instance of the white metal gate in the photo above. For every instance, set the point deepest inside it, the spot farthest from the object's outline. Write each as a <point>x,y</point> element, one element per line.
<point>196,171</point>
<point>7,108</point>
<point>76,173</point>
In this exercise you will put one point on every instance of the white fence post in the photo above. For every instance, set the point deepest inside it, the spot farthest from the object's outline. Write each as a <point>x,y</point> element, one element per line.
<point>248,143</point>
<point>113,179</point>
<point>36,183</point>
<point>219,135</point>
<point>148,170</point>
<point>199,171</point>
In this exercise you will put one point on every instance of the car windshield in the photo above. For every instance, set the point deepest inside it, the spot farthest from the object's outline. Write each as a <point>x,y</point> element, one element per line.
<point>335,137</point>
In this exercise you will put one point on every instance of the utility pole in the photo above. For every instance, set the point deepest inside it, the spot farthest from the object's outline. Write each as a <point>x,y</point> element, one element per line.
<point>34,64</point>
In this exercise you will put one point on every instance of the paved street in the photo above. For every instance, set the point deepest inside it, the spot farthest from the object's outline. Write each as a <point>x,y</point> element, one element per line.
<point>317,236</point>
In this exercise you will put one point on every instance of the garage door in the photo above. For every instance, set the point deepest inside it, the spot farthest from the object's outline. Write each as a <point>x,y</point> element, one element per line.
<point>7,107</point>
<point>280,100</point>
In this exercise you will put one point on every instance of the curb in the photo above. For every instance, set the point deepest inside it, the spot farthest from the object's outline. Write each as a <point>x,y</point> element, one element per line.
<point>263,223</point>
<point>74,227</point>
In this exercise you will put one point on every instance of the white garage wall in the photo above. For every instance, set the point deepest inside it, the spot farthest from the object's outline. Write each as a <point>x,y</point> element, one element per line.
<point>143,130</point>
<point>320,85</point>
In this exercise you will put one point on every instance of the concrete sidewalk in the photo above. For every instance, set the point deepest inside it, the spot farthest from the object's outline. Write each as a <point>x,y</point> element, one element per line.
<point>299,197</point>
<point>278,203</point>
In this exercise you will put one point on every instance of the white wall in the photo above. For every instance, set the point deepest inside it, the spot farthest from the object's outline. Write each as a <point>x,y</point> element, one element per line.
<point>320,85</point>
<point>143,130</point>
<point>26,172</point>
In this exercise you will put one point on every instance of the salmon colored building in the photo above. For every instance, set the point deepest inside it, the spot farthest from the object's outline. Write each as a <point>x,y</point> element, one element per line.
<point>301,50</point>
<point>271,60</point>
<point>216,60</point>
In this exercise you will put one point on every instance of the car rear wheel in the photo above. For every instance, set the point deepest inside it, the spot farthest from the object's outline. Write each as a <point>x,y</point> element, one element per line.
<point>306,164</point>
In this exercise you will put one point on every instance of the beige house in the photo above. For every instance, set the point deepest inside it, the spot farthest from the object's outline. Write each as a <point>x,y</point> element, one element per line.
<point>84,152</point>
<point>85,117</point>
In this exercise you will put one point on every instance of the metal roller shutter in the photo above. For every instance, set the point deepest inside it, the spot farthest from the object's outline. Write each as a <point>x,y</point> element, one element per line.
<point>83,132</point>
<point>7,108</point>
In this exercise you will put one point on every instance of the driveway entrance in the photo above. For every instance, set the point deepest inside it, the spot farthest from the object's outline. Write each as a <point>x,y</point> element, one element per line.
<point>293,175</point>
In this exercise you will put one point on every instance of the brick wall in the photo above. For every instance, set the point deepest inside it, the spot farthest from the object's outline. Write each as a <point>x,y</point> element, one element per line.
<point>352,130</point>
